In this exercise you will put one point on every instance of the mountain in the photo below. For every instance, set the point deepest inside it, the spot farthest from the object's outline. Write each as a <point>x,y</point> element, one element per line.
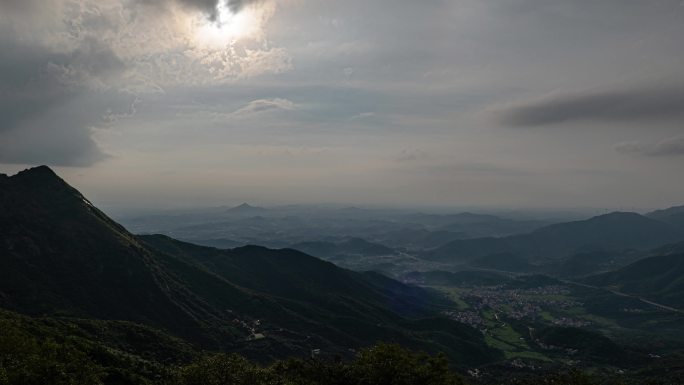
<point>672,215</point>
<point>593,262</point>
<point>615,231</point>
<point>280,273</point>
<point>354,307</point>
<point>659,279</point>
<point>59,255</point>
<point>246,209</point>
<point>348,247</point>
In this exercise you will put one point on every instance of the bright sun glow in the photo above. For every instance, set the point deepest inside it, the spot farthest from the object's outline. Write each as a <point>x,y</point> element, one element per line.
<point>228,27</point>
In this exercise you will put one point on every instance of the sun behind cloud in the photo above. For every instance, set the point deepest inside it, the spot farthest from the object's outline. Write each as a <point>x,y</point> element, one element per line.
<point>228,27</point>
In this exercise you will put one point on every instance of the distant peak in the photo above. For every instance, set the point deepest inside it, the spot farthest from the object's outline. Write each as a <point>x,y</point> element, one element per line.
<point>244,207</point>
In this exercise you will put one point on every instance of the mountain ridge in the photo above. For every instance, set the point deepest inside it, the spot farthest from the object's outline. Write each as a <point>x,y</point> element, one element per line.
<point>616,231</point>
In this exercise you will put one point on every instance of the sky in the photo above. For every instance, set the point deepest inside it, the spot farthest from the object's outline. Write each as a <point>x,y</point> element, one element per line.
<point>496,103</point>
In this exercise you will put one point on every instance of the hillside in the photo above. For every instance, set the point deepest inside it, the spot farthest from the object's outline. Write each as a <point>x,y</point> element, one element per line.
<point>60,255</point>
<point>616,231</point>
<point>280,272</point>
<point>594,262</point>
<point>338,304</point>
<point>659,279</point>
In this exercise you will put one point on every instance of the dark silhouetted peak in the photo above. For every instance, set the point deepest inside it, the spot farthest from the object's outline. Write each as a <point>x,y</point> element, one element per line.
<point>41,188</point>
<point>39,185</point>
<point>37,198</point>
<point>38,175</point>
<point>37,171</point>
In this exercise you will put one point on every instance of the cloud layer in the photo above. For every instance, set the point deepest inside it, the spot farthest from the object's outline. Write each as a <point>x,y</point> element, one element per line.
<point>639,104</point>
<point>208,7</point>
<point>68,67</point>
<point>668,147</point>
<point>383,101</point>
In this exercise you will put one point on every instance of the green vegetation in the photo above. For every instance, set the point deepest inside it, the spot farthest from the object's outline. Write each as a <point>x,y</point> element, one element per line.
<point>455,295</point>
<point>378,365</point>
<point>81,351</point>
<point>43,351</point>
<point>25,359</point>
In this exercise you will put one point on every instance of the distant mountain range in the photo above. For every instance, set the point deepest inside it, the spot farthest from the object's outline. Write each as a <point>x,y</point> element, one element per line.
<point>282,226</point>
<point>673,216</point>
<point>59,255</point>
<point>616,231</point>
<point>476,225</point>
<point>348,247</point>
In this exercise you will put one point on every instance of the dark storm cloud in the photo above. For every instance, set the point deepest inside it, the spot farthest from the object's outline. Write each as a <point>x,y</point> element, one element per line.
<point>612,106</point>
<point>49,102</point>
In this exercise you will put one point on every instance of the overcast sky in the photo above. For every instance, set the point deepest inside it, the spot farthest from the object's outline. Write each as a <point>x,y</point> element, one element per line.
<point>495,103</point>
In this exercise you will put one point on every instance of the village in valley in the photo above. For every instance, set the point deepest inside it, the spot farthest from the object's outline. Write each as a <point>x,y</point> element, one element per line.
<point>480,303</point>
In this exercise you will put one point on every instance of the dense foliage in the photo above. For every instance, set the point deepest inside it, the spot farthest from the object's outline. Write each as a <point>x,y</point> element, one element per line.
<point>38,351</point>
<point>26,359</point>
<point>379,365</point>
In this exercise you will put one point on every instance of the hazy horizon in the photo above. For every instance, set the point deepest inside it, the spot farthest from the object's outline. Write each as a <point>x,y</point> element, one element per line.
<point>145,205</point>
